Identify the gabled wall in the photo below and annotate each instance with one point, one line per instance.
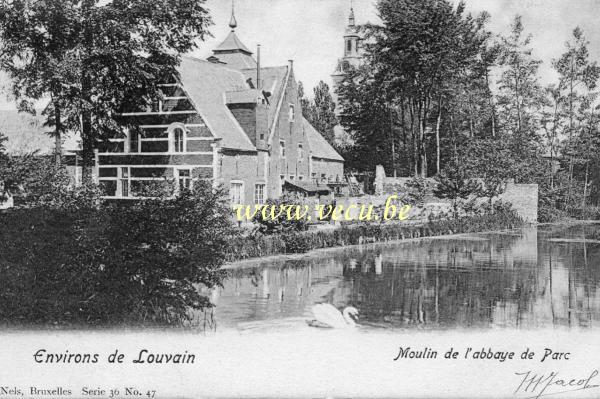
(150, 158)
(293, 134)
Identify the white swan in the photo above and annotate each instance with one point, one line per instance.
(328, 316)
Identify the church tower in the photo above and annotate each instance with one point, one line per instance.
(352, 56)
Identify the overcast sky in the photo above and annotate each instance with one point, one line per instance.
(310, 31)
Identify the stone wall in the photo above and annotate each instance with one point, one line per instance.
(523, 197)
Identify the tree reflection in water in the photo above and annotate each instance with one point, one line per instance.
(515, 279)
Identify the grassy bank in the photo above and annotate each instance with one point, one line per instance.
(257, 246)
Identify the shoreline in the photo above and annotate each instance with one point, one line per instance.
(252, 262)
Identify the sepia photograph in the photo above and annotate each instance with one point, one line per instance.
(322, 198)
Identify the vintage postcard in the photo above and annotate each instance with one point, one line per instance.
(299, 199)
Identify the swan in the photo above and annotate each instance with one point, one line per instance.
(327, 316)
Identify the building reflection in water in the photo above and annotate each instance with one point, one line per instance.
(519, 279)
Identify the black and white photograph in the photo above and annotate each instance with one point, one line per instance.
(299, 198)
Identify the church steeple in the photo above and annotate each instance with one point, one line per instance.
(351, 20)
(353, 55)
(232, 21)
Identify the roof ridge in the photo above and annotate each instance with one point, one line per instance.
(269, 67)
(212, 64)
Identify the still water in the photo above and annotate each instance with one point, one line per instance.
(516, 279)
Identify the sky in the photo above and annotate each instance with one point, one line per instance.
(311, 31)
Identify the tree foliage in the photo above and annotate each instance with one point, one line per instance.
(417, 63)
(320, 111)
(130, 264)
(93, 58)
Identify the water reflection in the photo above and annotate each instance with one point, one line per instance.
(515, 279)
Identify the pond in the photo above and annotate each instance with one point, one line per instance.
(517, 279)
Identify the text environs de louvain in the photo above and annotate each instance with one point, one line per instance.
(142, 356)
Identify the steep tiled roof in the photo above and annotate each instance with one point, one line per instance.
(232, 43)
(235, 60)
(319, 147)
(206, 84)
(233, 53)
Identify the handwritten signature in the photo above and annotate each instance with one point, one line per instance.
(552, 384)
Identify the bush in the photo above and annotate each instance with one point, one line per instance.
(280, 223)
(130, 263)
(416, 189)
(500, 216)
(37, 181)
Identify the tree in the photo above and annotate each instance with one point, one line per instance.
(304, 102)
(578, 76)
(456, 183)
(36, 39)
(365, 116)
(102, 57)
(552, 123)
(412, 61)
(320, 112)
(520, 95)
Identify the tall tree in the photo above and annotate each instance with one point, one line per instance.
(110, 54)
(365, 115)
(412, 59)
(36, 39)
(520, 95)
(578, 76)
(320, 112)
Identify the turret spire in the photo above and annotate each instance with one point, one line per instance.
(233, 22)
(351, 21)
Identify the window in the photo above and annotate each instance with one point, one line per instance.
(300, 177)
(348, 46)
(300, 152)
(292, 177)
(178, 138)
(107, 172)
(323, 177)
(292, 115)
(236, 193)
(259, 194)
(282, 148)
(124, 182)
(134, 142)
(184, 179)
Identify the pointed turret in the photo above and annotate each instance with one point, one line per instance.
(232, 51)
(232, 21)
(351, 20)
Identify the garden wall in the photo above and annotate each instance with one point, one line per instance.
(523, 197)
